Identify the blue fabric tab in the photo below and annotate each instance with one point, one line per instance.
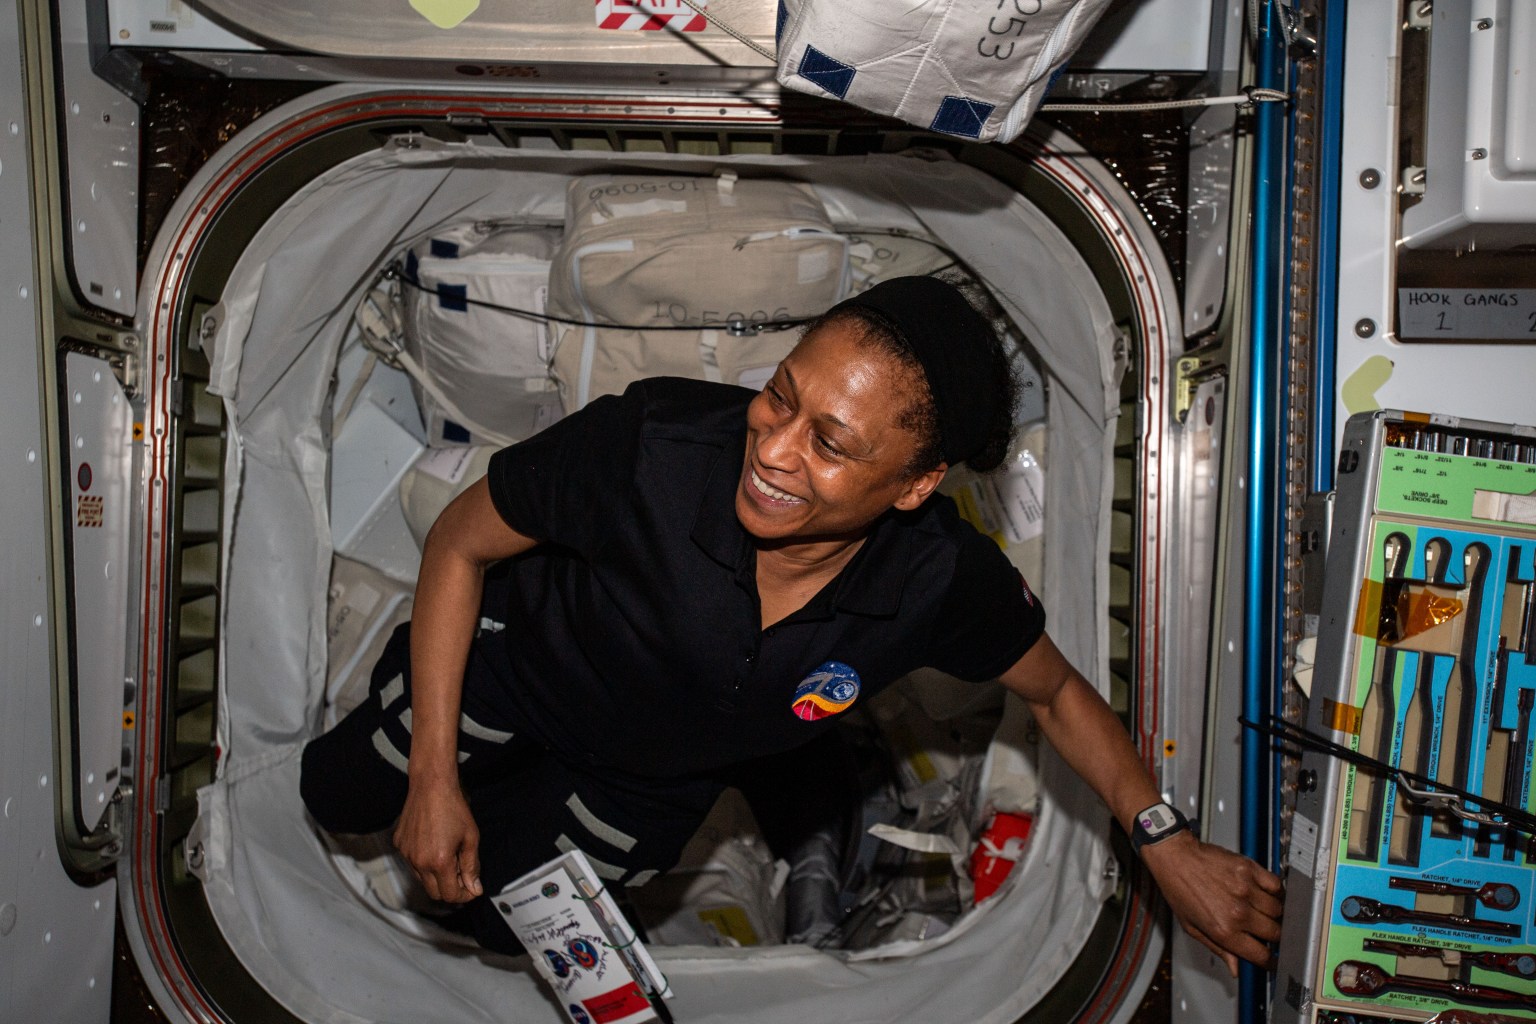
(444, 250)
(454, 434)
(452, 296)
(778, 24)
(832, 75)
(960, 116)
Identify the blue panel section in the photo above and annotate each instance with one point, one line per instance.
(960, 116)
(453, 296)
(778, 24)
(444, 250)
(832, 75)
(454, 434)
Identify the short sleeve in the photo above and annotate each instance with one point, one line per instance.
(553, 486)
(989, 619)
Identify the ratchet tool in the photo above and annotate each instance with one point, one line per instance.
(1359, 978)
(1363, 910)
(1521, 965)
(1494, 895)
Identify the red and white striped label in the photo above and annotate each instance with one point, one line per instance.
(649, 15)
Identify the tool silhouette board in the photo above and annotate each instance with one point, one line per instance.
(1398, 907)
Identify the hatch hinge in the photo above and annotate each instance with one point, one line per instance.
(118, 349)
(1184, 389)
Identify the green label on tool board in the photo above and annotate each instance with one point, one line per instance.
(1444, 486)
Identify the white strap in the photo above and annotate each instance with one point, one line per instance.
(379, 321)
(922, 842)
(412, 367)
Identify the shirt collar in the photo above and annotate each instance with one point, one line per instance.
(872, 582)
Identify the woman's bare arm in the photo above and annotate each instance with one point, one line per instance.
(436, 832)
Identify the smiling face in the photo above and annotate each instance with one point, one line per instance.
(826, 453)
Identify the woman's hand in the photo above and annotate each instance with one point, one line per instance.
(1225, 901)
(438, 837)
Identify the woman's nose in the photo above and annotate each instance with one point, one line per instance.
(776, 446)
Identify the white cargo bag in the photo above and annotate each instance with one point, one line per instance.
(972, 68)
(492, 367)
(650, 253)
(726, 889)
(437, 477)
(363, 608)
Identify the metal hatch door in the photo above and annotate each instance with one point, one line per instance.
(663, 32)
(60, 715)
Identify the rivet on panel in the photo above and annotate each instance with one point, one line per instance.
(37, 620)
(106, 570)
(80, 442)
(31, 455)
(90, 778)
(79, 398)
(80, 226)
(47, 937)
(74, 108)
(91, 983)
(23, 291)
(42, 782)
(1365, 327)
(1221, 807)
(15, 128)
(9, 806)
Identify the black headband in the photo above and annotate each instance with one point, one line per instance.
(952, 342)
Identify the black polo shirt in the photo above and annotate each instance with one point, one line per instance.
(634, 633)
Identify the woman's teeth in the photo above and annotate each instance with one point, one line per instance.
(772, 492)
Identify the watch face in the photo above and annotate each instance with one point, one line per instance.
(1157, 819)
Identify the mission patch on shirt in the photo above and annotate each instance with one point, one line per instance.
(633, 633)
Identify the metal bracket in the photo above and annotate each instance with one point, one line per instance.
(1189, 373)
(1300, 39)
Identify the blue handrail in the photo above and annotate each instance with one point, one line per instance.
(1325, 307)
(1266, 436)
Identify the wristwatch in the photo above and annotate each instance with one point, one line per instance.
(1155, 824)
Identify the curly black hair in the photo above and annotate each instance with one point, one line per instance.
(920, 416)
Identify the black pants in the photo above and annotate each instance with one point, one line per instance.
(529, 803)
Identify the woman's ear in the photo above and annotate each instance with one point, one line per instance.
(920, 486)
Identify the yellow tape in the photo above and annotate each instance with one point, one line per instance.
(1399, 610)
(1342, 717)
